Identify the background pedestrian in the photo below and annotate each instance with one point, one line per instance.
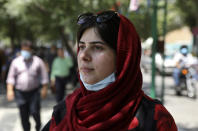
(27, 73)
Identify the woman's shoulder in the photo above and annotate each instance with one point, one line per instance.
(59, 111)
(145, 113)
(165, 120)
(162, 117)
(159, 108)
(152, 115)
(58, 114)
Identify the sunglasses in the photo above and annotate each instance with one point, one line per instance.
(99, 18)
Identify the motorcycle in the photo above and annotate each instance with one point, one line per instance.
(187, 82)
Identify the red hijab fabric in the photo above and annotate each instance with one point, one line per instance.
(113, 107)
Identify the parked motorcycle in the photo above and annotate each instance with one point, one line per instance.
(187, 82)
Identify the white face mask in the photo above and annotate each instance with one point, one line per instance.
(26, 54)
(101, 84)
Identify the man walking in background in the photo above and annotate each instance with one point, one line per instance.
(26, 75)
(60, 73)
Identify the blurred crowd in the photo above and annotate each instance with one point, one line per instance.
(47, 54)
(27, 72)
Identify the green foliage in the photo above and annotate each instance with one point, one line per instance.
(142, 21)
(45, 19)
(174, 20)
(188, 10)
(48, 21)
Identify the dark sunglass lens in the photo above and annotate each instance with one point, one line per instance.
(99, 18)
(81, 20)
(84, 18)
(105, 16)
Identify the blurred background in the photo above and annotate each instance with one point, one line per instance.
(163, 26)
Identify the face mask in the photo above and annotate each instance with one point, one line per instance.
(101, 84)
(26, 54)
(184, 51)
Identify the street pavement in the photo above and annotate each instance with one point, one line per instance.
(9, 114)
(183, 109)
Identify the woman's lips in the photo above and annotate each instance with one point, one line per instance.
(86, 69)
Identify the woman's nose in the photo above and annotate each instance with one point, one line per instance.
(85, 55)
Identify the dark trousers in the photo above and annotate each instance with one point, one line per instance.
(29, 104)
(60, 83)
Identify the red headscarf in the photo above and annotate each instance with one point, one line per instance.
(113, 107)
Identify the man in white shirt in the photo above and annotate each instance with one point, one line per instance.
(182, 59)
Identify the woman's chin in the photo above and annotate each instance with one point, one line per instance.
(89, 81)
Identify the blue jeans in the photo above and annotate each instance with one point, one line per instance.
(176, 73)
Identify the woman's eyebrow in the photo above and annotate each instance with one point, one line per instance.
(81, 42)
(92, 42)
(97, 42)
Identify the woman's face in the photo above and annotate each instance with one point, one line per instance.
(96, 60)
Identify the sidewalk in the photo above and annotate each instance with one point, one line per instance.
(9, 114)
(183, 109)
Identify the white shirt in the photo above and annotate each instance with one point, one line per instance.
(27, 75)
(187, 60)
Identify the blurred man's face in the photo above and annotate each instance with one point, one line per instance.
(26, 52)
(60, 52)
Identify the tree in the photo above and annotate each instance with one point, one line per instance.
(57, 20)
(140, 18)
(188, 12)
(45, 20)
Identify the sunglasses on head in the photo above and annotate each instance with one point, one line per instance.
(99, 18)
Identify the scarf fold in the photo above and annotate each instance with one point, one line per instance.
(111, 108)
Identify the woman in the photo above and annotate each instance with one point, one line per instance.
(111, 96)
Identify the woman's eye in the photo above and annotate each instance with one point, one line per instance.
(99, 48)
(81, 47)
